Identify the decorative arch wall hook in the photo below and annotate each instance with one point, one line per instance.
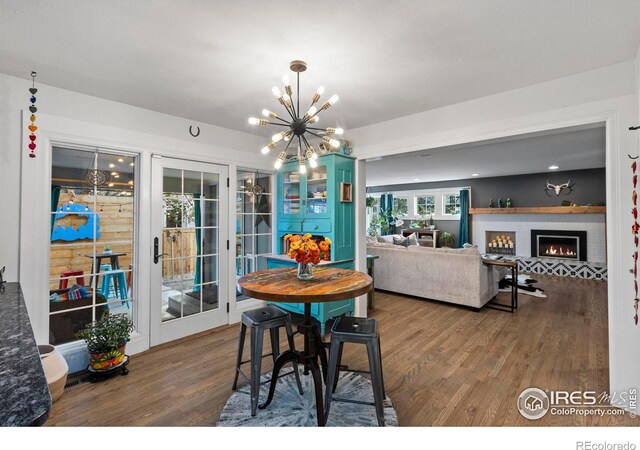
(196, 134)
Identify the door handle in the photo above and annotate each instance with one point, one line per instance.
(156, 249)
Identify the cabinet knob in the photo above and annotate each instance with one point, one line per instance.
(316, 227)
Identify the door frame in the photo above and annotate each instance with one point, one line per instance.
(162, 332)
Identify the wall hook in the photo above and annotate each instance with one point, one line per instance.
(191, 131)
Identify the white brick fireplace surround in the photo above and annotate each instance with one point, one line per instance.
(522, 224)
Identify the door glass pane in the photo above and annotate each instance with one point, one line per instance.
(317, 190)
(190, 232)
(291, 192)
(92, 239)
(254, 218)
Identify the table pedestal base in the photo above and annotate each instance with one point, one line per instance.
(314, 349)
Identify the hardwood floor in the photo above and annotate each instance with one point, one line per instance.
(443, 365)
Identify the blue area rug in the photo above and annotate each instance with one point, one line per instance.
(290, 409)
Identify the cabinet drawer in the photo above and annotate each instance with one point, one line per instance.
(295, 227)
(316, 226)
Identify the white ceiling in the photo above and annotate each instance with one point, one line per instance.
(216, 61)
(569, 149)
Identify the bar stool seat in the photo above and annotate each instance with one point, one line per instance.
(258, 320)
(357, 330)
(118, 280)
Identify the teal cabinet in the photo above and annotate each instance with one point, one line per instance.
(321, 311)
(310, 203)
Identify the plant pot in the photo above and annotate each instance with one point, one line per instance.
(305, 271)
(107, 360)
(55, 370)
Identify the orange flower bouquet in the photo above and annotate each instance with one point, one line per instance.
(306, 252)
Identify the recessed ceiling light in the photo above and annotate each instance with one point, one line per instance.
(131, 164)
(475, 174)
(416, 179)
(116, 176)
(553, 167)
(114, 173)
(112, 165)
(120, 160)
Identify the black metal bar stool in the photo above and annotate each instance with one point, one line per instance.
(258, 320)
(356, 330)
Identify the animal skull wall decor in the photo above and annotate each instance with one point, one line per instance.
(559, 187)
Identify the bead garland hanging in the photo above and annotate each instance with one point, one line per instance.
(33, 109)
(635, 228)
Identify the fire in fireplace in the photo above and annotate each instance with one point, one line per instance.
(559, 244)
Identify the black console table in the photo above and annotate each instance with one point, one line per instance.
(24, 393)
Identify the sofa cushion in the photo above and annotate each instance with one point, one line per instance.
(371, 240)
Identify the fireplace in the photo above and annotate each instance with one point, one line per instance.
(559, 244)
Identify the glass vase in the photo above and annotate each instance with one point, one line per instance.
(305, 271)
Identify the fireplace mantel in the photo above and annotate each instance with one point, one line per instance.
(542, 210)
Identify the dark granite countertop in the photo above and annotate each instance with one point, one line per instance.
(24, 394)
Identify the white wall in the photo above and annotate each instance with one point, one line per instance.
(609, 94)
(51, 101)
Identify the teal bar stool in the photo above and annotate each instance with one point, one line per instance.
(114, 283)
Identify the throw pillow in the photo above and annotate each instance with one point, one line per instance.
(388, 239)
(413, 239)
(401, 241)
(371, 240)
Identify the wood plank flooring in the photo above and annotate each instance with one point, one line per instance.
(444, 365)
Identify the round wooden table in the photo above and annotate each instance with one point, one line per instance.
(327, 285)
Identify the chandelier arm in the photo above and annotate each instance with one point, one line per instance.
(299, 146)
(287, 147)
(281, 120)
(315, 134)
(286, 124)
(288, 111)
(293, 108)
(305, 141)
(314, 128)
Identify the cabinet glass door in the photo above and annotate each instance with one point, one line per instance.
(291, 192)
(317, 191)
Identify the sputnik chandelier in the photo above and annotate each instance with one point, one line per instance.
(298, 124)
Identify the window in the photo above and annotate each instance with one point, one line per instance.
(401, 206)
(254, 222)
(425, 204)
(93, 217)
(373, 212)
(451, 204)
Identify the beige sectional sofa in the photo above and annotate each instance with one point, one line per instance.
(449, 275)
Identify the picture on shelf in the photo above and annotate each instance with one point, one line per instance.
(346, 192)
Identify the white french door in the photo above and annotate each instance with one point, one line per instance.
(189, 265)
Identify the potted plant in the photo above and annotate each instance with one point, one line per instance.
(447, 239)
(106, 341)
(107, 249)
(371, 202)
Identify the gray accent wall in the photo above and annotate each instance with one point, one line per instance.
(588, 185)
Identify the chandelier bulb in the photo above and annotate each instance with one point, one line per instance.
(281, 158)
(302, 167)
(310, 112)
(278, 136)
(338, 131)
(270, 114)
(276, 91)
(317, 94)
(258, 121)
(270, 146)
(313, 163)
(287, 84)
(286, 100)
(332, 142)
(314, 119)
